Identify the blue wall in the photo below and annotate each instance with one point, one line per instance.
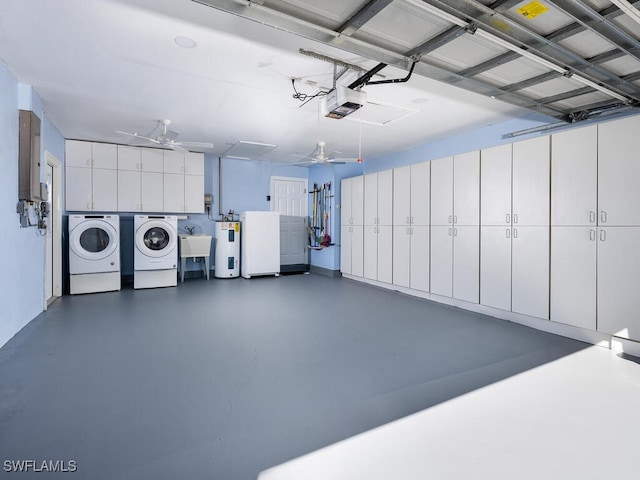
(22, 249)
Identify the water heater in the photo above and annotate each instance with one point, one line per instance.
(227, 255)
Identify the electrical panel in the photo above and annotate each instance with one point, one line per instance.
(29, 187)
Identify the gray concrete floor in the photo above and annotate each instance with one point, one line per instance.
(225, 378)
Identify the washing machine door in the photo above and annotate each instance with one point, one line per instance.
(93, 240)
(156, 238)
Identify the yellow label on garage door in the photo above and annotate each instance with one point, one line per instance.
(532, 10)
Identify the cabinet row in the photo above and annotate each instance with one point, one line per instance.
(110, 156)
(104, 190)
(107, 177)
(582, 177)
(586, 277)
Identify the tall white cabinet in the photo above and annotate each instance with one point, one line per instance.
(515, 189)
(619, 228)
(351, 226)
(91, 176)
(455, 231)
(411, 212)
(140, 180)
(378, 216)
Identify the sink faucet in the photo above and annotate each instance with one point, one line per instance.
(189, 229)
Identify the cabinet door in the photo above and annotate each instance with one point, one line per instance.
(574, 176)
(357, 256)
(78, 189)
(466, 189)
(173, 193)
(401, 252)
(442, 260)
(441, 192)
(104, 156)
(357, 200)
(173, 161)
(531, 182)
(402, 196)
(152, 192)
(194, 163)
(77, 154)
(619, 281)
(420, 192)
(345, 247)
(495, 185)
(345, 201)
(371, 199)
(370, 269)
(129, 158)
(385, 253)
(419, 271)
(151, 160)
(129, 191)
(385, 197)
(619, 172)
(466, 263)
(194, 193)
(495, 267)
(573, 276)
(105, 190)
(530, 271)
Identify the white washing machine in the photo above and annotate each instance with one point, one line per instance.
(94, 253)
(155, 261)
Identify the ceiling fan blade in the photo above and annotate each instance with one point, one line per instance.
(344, 160)
(136, 135)
(303, 156)
(197, 144)
(171, 135)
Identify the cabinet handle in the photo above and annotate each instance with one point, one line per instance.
(592, 216)
(449, 232)
(603, 216)
(455, 219)
(515, 233)
(508, 233)
(515, 218)
(411, 230)
(592, 234)
(603, 235)
(412, 222)
(508, 218)
(449, 219)
(407, 230)
(407, 221)
(455, 232)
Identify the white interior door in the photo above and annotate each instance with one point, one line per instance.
(289, 196)
(48, 265)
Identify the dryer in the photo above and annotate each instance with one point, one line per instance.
(156, 251)
(94, 253)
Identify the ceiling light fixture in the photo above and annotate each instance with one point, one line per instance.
(185, 42)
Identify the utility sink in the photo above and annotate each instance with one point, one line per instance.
(198, 245)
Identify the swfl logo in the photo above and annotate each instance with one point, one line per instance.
(43, 466)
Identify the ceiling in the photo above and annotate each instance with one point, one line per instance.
(109, 65)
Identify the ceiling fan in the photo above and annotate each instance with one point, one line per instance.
(318, 156)
(164, 137)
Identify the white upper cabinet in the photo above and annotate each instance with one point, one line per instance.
(531, 182)
(574, 177)
(173, 161)
(371, 199)
(193, 163)
(619, 172)
(77, 154)
(466, 188)
(420, 192)
(495, 185)
(152, 160)
(104, 155)
(442, 191)
(129, 158)
(402, 195)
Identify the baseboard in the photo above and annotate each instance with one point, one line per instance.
(295, 268)
(327, 272)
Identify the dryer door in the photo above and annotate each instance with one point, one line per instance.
(156, 238)
(93, 240)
